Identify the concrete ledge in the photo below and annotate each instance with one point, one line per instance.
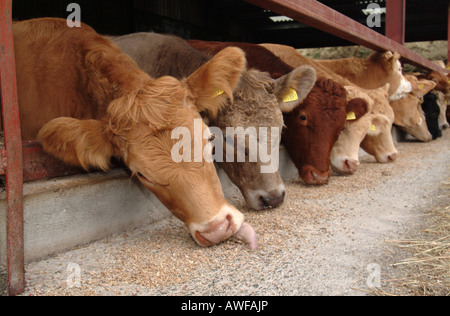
(64, 213)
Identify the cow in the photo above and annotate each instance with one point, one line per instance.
(317, 122)
(442, 81)
(442, 85)
(257, 103)
(370, 130)
(443, 123)
(409, 115)
(86, 102)
(373, 72)
(432, 111)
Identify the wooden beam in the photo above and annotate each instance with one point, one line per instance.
(318, 15)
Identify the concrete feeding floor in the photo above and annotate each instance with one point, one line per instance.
(322, 241)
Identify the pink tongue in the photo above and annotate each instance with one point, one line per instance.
(247, 234)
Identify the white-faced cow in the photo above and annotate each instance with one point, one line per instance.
(370, 129)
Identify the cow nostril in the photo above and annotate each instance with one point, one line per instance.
(392, 158)
(273, 202)
(265, 202)
(347, 165)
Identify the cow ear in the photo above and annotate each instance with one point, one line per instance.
(396, 56)
(294, 87)
(356, 108)
(379, 123)
(213, 83)
(393, 61)
(388, 54)
(423, 87)
(82, 143)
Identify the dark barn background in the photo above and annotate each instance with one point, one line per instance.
(230, 20)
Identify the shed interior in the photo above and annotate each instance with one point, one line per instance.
(232, 20)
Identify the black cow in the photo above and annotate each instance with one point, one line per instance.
(432, 111)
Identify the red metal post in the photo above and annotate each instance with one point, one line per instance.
(448, 34)
(13, 150)
(319, 16)
(395, 20)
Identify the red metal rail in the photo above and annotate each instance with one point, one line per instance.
(318, 15)
(13, 152)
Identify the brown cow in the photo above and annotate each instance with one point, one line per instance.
(372, 131)
(441, 80)
(314, 127)
(91, 102)
(373, 72)
(256, 105)
(408, 111)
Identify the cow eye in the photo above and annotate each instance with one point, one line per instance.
(144, 178)
(303, 117)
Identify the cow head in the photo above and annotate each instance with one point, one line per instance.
(378, 141)
(258, 105)
(441, 80)
(388, 68)
(370, 130)
(410, 118)
(138, 128)
(408, 111)
(443, 123)
(344, 157)
(432, 112)
(314, 127)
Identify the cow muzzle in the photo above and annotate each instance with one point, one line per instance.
(229, 223)
(263, 200)
(387, 158)
(345, 166)
(311, 175)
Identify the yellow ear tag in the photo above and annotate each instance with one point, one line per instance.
(292, 96)
(421, 86)
(351, 116)
(373, 128)
(218, 92)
